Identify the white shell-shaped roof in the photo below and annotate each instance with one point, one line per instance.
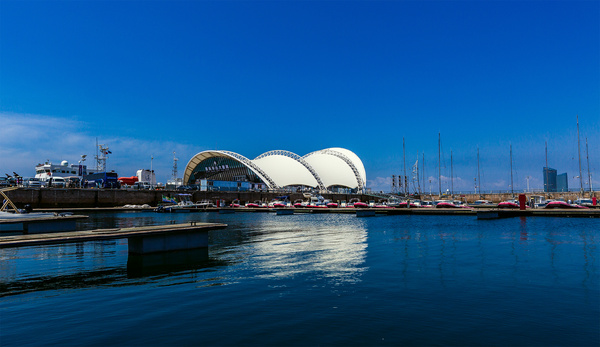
(286, 171)
(322, 169)
(335, 167)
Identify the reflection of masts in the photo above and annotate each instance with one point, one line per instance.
(579, 154)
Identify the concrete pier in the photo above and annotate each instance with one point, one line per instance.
(142, 240)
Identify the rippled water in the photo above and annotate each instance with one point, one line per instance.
(313, 280)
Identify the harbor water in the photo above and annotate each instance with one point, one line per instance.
(313, 279)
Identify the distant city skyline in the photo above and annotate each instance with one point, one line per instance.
(151, 78)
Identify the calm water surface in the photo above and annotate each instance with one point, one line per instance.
(313, 280)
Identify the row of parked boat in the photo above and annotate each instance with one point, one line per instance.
(316, 202)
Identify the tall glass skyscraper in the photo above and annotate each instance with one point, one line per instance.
(549, 179)
(562, 182)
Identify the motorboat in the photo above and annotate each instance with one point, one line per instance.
(481, 203)
(539, 201)
(509, 204)
(256, 204)
(461, 204)
(360, 204)
(445, 204)
(332, 205)
(427, 204)
(584, 202)
(562, 204)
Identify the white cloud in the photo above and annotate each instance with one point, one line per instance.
(26, 140)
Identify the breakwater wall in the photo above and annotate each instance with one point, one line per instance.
(73, 198)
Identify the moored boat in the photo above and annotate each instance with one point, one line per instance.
(562, 204)
(445, 204)
(508, 204)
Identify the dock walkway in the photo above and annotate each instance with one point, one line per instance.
(107, 234)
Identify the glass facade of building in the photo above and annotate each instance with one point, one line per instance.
(549, 179)
(562, 183)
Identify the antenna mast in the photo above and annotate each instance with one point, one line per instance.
(174, 168)
(101, 158)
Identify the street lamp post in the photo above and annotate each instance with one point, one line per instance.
(82, 160)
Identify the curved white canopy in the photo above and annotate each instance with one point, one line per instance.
(324, 168)
(286, 171)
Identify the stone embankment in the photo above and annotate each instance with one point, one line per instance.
(86, 198)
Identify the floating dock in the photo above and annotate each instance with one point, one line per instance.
(31, 225)
(142, 240)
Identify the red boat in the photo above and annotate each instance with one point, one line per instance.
(361, 204)
(508, 204)
(561, 204)
(332, 205)
(279, 205)
(445, 204)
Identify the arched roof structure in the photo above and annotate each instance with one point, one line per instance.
(280, 168)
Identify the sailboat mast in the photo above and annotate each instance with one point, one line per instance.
(418, 176)
(547, 188)
(512, 190)
(424, 172)
(451, 175)
(404, 158)
(579, 154)
(440, 163)
(588, 165)
(478, 175)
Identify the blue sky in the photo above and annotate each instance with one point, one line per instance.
(149, 78)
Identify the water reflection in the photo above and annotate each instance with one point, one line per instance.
(67, 269)
(333, 248)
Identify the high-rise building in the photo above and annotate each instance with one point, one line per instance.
(562, 183)
(549, 179)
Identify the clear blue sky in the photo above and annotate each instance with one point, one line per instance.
(148, 78)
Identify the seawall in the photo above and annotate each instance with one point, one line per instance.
(71, 198)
